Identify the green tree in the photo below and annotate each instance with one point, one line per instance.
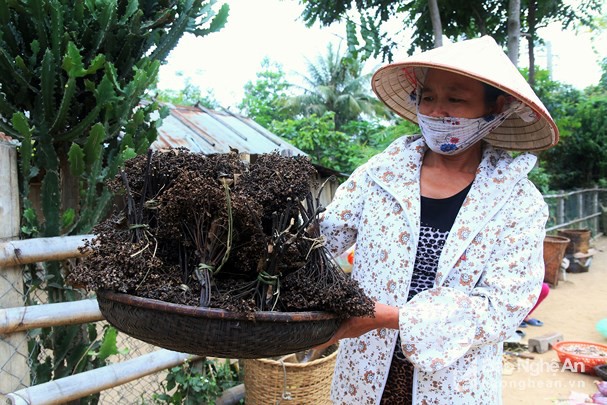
(265, 99)
(188, 96)
(336, 84)
(560, 99)
(318, 137)
(580, 158)
(370, 138)
(459, 19)
(72, 75)
(563, 102)
(269, 102)
(539, 13)
(344, 150)
(603, 81)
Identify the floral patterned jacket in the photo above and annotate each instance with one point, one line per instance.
(489, 275)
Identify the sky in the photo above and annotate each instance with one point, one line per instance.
(226, 60)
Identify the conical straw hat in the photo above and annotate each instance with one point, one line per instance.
(480, 59)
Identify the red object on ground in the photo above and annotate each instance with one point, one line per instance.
(569, 353)
(351, 257)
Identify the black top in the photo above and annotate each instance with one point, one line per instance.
(440, 213)
(437, 218)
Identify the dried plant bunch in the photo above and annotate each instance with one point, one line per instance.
(213, 230)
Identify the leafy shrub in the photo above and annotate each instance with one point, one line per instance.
(199, 383)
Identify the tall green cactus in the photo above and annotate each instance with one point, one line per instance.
(72, 78)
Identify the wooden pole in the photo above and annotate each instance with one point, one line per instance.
(232, 395)
(14, 369)
(580, 205)
(560, 210)
(596, 229)
(27, 251)
(43, 316)
(93, 381)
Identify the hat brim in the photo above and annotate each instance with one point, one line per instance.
(394, 83)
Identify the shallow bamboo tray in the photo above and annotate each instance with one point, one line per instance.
(216, 332)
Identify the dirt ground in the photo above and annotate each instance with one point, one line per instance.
(573, 309)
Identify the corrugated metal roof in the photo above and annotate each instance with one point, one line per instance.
(208, 131)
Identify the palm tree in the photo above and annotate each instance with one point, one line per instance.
(336, 84)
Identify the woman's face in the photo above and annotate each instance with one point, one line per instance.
(446, 94)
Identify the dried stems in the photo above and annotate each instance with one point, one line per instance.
(213, 231)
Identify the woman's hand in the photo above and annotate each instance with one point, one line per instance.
(384, 316)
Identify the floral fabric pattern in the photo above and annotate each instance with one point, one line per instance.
(489, 275)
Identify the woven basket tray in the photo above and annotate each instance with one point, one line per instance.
(216, 332)
(269, 381)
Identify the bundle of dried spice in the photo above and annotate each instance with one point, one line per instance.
(217, 231)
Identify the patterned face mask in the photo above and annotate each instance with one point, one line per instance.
(451, 136)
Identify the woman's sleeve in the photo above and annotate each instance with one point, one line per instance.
(340, 222)
(438, 326)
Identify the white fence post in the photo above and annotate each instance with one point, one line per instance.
(560, 210)
(14, 370)
(580, 205)
(90, 382)
(596, 223)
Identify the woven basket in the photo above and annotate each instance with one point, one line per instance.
(216, 332)
(554, 251)
(580, 240)
(269, 381)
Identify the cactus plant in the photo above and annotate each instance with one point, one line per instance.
(72, 79)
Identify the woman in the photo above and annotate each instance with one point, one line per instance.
(448, 231)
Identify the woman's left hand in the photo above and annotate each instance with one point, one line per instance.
(385, 316)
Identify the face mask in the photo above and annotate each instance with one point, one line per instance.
(451, 136)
